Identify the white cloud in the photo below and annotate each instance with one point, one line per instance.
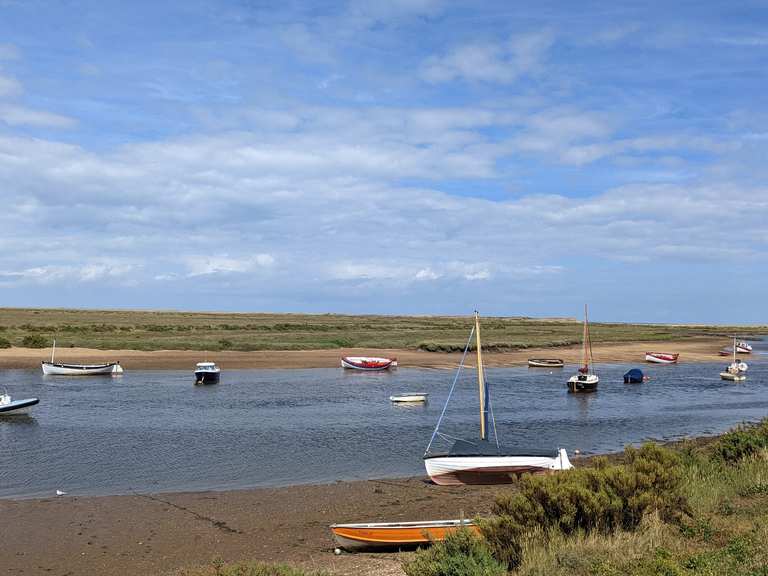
(205, 265)
(9, 86)
(21, 116)
(485, 62)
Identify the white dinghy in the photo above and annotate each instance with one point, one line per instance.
(409, 397)
(62, 369)
(480, 462)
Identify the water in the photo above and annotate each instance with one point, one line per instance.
(156, 431)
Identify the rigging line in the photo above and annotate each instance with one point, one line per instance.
(455, 379)
(490, 407)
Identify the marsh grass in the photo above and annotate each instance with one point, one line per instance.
(219, 568)
(167, 330)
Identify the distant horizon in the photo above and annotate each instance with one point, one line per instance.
(418, 156)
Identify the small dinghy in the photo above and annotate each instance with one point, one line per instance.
(409, 397)
(368, 363)
(395, 534)
(743, 347)
(207, 373)
(10, 406)
(634, 376)
(661, 357)
(62, 369)
(546, 362)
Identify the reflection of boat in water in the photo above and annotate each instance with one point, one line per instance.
(661, 357)
(479, 462)
(10, 406)
(584, 381)
(63, 369)
(395, 534)
(369, 363)
(546, 363)
(409, 397)
(207, 373)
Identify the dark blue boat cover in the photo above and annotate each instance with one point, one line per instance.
(634, 375)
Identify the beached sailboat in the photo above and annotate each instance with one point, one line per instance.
(368, 363)
(53, 368)
(395, 534)
(736, 369)
(661, 357)
(480, 462)
(584, 381)
(10, 406)
(743, 347)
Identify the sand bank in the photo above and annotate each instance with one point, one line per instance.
(691, 350)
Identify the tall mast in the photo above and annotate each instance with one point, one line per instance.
(480, 379)
(585, 339)
(53, 350)
(734, 349)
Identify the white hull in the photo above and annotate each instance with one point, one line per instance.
(457, 470)
(10, 406)
(733, 377)
(656, 360)
(409, 398)
(56, 369)
(359, 363)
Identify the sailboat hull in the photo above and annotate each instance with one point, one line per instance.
(458, 470)
(583, 383)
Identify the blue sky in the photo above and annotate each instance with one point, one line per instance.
(416, 156)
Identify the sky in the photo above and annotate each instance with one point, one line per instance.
(401, 157)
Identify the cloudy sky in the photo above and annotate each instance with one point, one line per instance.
(410, 156)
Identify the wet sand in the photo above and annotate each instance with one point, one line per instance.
(691, 350)
(162, 534)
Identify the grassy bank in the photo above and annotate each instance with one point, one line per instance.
(159, 330)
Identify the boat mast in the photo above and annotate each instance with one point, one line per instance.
(734, 349)
(53, 350)
(481, 381)
(587, 346)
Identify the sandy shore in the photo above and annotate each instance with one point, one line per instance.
(161, 534)
(691, 350)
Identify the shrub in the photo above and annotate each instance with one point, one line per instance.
(4, 342)
(219, 568)
(742, 442)
(225, 344)
(34, 342)
(462, 553)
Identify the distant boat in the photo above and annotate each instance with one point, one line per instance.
(634, 376)
(63, 369)
(743, 347)
(395, 534)
(10, 406)
(409, 397)
(480, 462)
(584, 381)
(207, 373)
(735, 370)
(661, 357)
(546, 362)
(369, 363)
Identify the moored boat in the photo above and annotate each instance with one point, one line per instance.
(368, 363)
(207, 373)
(395, 534)
(661, 357)
(584, 381)
(736, 369)
(481, 462)
(10, 406)
(634, 376)
(52, 368)
(409, 397)
(546, 362)
(743, 347)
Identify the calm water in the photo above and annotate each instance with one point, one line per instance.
(157, 431)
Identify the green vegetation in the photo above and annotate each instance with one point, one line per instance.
(692, 510)
(34, 342)
(4, 342)
(219, 568)
(159, 330)
(461, 554)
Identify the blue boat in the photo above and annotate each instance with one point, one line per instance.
(634, 376)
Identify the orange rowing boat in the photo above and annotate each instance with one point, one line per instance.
(395, 534)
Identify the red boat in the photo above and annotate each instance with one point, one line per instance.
(369, 363)
(661, 357)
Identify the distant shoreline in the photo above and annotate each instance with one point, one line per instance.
(699, 349)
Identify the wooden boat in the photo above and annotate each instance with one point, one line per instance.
(480, 462)
(661, 357)
(10, 406)
(207, 373)
(63, 369)
(409, 397)
(735, 370)
(584, 381)
(368, 363)
(395, 534)
(546, 362)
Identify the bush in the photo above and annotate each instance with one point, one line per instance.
(4, 342)
(600, 499)
(225, 344)
(462, 553)
(219, 568)
(34, 342)
(742, 442)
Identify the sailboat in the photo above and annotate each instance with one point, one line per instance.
(479, 462)
(60, 369)
(735, 370)
(584, 381)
